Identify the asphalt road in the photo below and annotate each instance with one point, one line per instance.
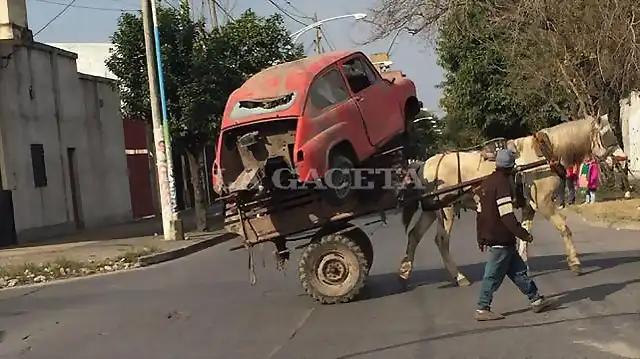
(202, 306)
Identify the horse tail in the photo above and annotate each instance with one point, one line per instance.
(411, 192)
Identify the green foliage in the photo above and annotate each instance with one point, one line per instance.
(480, 100)
(201, 68)
(430, 134)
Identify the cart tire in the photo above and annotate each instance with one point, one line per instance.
(337, 197)
(363, 241)
(333, 269)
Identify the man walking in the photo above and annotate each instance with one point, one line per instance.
(498, 228)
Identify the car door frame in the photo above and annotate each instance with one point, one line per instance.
(346, 121)
(379, 85)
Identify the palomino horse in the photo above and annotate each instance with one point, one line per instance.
(569, 143)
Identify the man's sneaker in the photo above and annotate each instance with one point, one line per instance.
(485, 315)
(541, 305)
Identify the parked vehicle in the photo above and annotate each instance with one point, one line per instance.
(333, 110)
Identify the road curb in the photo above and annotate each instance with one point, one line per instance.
(170, 255)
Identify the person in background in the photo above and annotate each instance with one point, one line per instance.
(497, 228)
(569, 183)
(589, 179)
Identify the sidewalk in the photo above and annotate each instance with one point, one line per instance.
(105, 249)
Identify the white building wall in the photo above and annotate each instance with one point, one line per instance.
(91, 60)
(108, 186)
(630, 124)
(43, 100)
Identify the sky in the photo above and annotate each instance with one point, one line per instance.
(96, 20)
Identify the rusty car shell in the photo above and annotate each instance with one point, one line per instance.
(271, 121)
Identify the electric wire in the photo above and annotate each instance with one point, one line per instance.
(85, 7)
(55, 17)
(285, 12)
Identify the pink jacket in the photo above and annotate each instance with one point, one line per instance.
(593, 178)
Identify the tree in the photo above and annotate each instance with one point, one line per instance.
(201, 69)
(587, 48)
(429, 134)
(559, 59)
(478, 91)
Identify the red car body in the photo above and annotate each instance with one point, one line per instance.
(304, 110)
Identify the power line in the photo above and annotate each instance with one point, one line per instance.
(326, 38)
(55, 17)
(302, 14)
(286, 13)
(393, 41)
(224, 11)
(85, 7)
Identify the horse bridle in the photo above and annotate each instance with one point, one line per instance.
(599, 141)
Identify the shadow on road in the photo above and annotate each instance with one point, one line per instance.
(483, 330)
(388, 284)
(596, 293)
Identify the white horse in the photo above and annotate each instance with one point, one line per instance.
(570, 142)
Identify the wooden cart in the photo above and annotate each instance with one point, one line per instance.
(337, 255)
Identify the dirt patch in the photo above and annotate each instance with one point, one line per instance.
(14, 275)
(611, 210)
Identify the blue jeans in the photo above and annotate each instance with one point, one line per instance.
(505, 261)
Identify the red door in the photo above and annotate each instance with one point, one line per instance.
(135, 139)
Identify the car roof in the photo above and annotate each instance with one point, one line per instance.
(283, 79)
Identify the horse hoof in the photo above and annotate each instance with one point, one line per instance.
(575, 268)
(463, 282)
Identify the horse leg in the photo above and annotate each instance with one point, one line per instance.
(443, 235)
(549, 211)
(414, 236)
(527, 222)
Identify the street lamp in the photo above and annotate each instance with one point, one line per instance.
(296, 35)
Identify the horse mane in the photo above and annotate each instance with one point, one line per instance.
(571, 141)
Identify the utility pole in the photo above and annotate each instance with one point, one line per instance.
(213, 12)
(171, 226)
(318, 35)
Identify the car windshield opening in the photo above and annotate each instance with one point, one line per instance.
(253, 107)
(266, 104)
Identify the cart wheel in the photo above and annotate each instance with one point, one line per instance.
(340, 196)
(362, 240)
(333, 269)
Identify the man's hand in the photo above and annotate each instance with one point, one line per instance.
(528, 239)
(482, 247)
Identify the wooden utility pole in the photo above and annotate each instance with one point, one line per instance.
(318, 35)
(172, 229)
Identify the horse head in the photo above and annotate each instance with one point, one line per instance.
(603, 140)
